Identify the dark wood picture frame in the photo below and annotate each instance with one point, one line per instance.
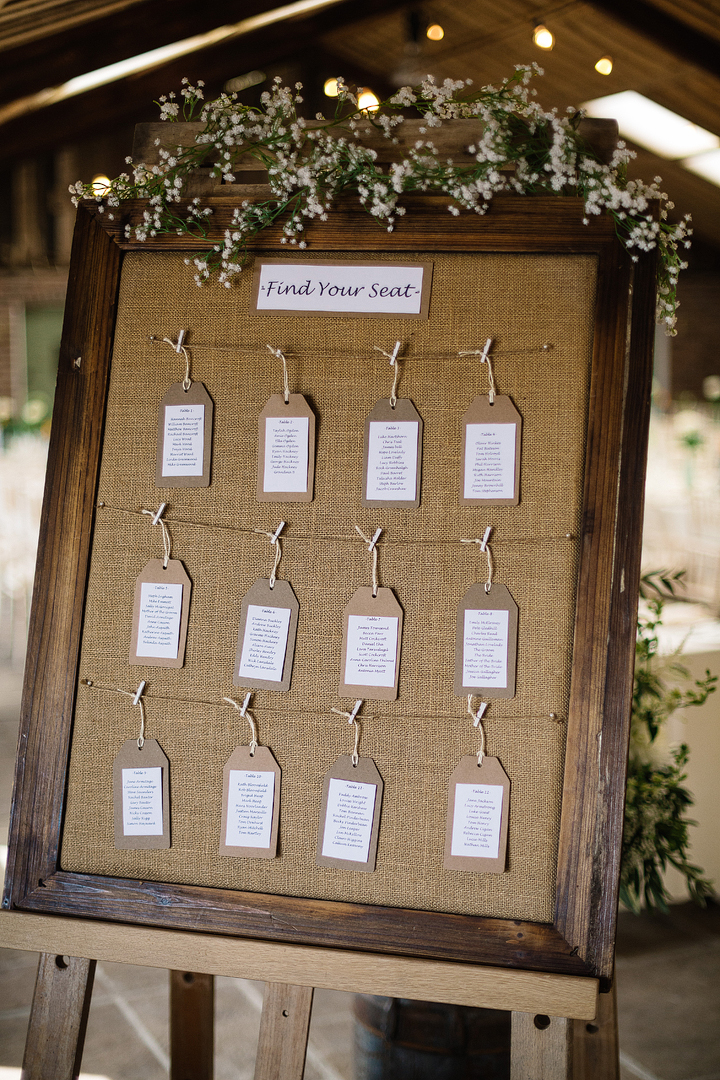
(581, 939)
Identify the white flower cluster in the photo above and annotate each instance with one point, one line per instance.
(522, 149)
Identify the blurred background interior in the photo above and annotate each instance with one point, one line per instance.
(75, 77)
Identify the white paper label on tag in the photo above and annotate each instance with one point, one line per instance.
(250, 809)
(142, 802)
(159, 623)
(476, 824)
(183, 440)
(392, 461)
(490, 461)
(264, 643)
(371, 650)
(485, 647)
(349, 820)
(286, 453)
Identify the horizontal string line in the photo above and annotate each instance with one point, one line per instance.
(251, 532)
(260, 351)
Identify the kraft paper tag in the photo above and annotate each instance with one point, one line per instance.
(286, 450)
(160, 615)
(350, 815)
(486, 643)
(372, 636)
(266, 639)
(477, 817)
(141, 796)
(251, 804)
(184, 449)
(393, 455)
(492, 439)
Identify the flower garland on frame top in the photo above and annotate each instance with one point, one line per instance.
(523, 149)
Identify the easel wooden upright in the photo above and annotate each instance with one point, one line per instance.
(547, 974)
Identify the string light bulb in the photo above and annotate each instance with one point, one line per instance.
(330, 88)
(542, 37)
(435, 32)
(367, 101)
(100, 185)
(604, 65)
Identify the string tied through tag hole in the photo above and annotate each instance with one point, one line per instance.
(280, 355)
(274, 539)
(395, 363)
(372, 547)
(477, 716)
(244, 711)
(485, 546)
(179, 348)
(157, 519)
(351, 718)
(484, 355)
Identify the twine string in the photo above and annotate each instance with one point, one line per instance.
(351, 718)
(477, 715)
(372, 547)
(179, 348)
(280, 355)
(157, 516)
(137, 699)
(395, 363)
(484, 355)
(274, 539)
(484, 546)
(244, 710)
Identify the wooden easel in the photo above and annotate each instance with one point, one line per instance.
(561, 1028)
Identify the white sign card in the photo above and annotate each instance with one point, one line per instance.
(160, 615)
(286, 450)
(184, 449)
(141, 796)
(486, 643)
(350, 289)
(372, 637)
(477, 817)
(492, 439)
(251, 804)
(266, 637)
(393, 455)
(350, 815)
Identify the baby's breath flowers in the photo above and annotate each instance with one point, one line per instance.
(522, 150)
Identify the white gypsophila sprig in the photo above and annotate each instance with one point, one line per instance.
(520, 148)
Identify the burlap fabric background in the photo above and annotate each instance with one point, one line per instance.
(519, 300)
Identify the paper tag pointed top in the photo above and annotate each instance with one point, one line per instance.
(492, 442)
(184, 447)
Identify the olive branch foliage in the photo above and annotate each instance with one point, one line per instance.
(522, 149)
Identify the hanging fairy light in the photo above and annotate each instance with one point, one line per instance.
(542, 37)
(604, 65)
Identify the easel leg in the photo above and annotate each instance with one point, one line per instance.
(58, 1018)
(192, 1019)
(541, 1047)
(595, 1043)
(284, 1031)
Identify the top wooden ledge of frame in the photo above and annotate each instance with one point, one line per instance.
(600, 135)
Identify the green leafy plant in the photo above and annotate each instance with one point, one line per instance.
(656, 832)
(521, 149)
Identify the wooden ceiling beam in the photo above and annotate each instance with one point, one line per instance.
(130, 100)
(671, 33)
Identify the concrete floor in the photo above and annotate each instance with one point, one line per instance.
(668, 978)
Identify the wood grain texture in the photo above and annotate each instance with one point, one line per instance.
(348, 969)
(284, 1030)
(595, 1043)
(58, 1018)
(540, 1052)
(192, 1016)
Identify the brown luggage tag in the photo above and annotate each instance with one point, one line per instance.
(393, 450)
(161, 609)
(478, 810)
(185, 424)
(350, 810)
(486, 637)
(372, 638)
(268, 629)
(251, 798)
(141, 791)
(286, 446)
(491, 446)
